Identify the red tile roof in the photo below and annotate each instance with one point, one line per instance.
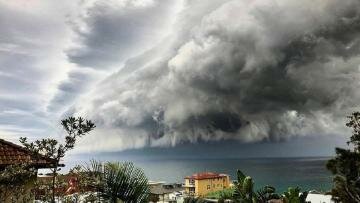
(205, 175)
(11, 153)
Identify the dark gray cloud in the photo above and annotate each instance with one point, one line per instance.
(252, 71)
(245, 70)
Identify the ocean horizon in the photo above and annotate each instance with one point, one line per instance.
(308, 173)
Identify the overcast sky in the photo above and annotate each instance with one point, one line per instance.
(168, 73)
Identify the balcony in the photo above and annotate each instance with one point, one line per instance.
(189, 183)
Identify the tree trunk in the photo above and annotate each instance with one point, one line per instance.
(54, 178)
(53, 187)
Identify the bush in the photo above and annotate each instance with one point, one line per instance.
(222, 194)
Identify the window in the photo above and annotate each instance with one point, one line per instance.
(208, 187)
(191, 181)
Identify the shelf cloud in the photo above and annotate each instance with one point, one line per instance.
(154, 73)
(229, 70)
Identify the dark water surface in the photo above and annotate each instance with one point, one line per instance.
(308, 173)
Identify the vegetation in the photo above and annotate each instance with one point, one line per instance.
(222, 194)
(244, 189)
(193, 200)
(346, 166)
(267, 193)
(13, 182)
(115, 181)
(52, 149)
(293, 195)
(244, 192)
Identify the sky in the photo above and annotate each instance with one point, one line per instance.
(259, 77)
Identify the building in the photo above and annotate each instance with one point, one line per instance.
(319, 198)
(200, 184)
(165, 193)
(12, 154)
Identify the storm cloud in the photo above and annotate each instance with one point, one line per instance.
(168, 72)
(235, 70)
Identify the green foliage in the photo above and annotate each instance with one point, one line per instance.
(222, 194)
(267, 193)
(244, 189)
(193, 200)
(346, 166)
(293, 195)
(17, 174)
(118, 181)
(53, 150)
(13, 183)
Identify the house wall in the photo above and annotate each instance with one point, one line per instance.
(205, 186)
(189, 186)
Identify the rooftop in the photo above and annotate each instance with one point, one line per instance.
(161, 189)
(206, 175)
(11, 153)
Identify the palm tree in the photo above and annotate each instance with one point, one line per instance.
(119, 181)
(244, 189)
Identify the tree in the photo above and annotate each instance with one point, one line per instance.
(117, 181)
(53, 150)
(293, 195)
(13, 183)
(346, 166)
(244, 189)
(267, 193)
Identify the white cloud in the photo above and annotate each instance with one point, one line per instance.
(38, 78)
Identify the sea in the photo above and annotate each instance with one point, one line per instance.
(308, 173)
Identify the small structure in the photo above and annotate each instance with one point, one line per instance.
(200, 184)
(13, 154)
(319, 198)
(165, 193)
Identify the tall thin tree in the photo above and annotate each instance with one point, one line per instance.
(52, 149)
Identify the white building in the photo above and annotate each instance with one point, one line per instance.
(165, 193)
(319, 198)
